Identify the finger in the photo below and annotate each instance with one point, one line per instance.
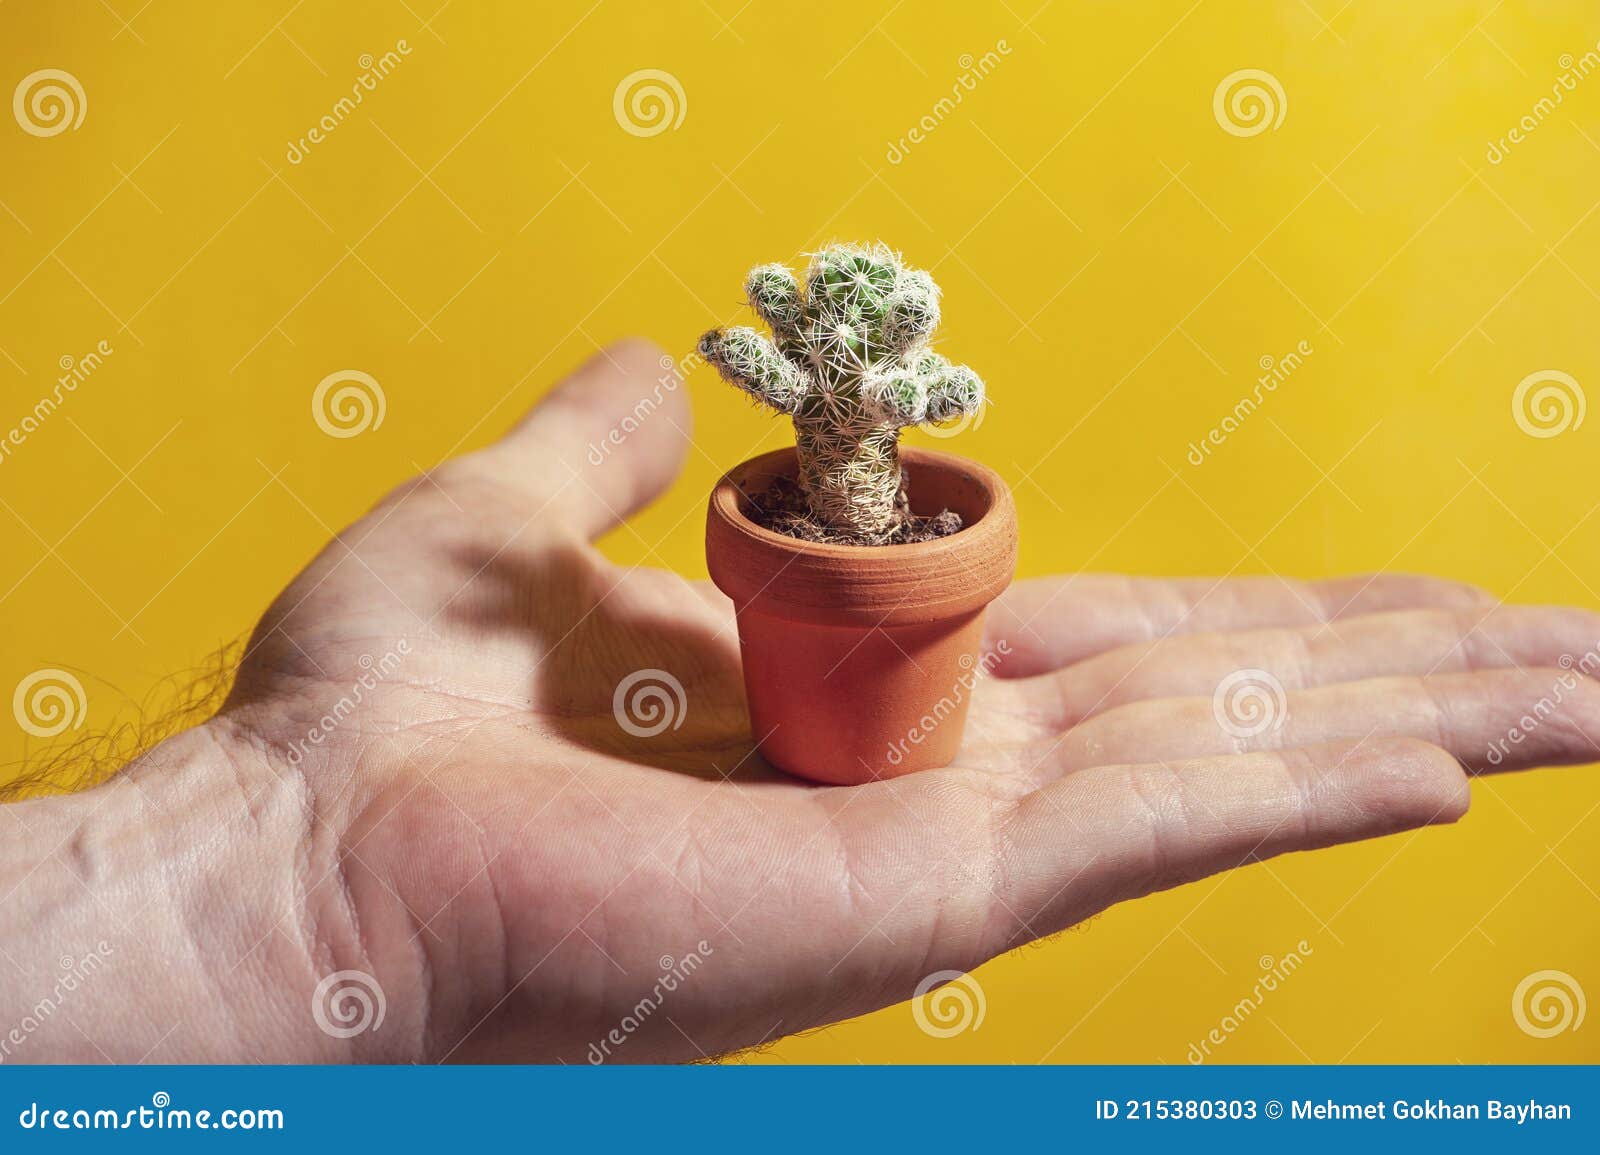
(600, 445)
(1117, 832)
(1406, 642)
(1052, 622)
(1493, 720)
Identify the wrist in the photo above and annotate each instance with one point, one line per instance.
(181, 894)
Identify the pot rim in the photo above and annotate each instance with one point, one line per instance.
(833, 583)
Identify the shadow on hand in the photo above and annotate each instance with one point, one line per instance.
(633, 664)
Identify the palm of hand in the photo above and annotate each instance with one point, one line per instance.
(522, 870)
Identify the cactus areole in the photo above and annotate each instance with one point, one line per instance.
(849, 360)
(861, 607)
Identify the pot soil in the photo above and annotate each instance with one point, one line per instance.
(859, 660)
(782, 506)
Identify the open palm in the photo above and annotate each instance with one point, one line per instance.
(523, 860)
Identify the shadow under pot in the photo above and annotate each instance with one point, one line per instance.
(859, 661)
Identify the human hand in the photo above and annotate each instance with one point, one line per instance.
(476, 829)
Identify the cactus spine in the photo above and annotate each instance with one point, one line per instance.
(849, 361)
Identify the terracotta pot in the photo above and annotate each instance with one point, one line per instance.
(859, 661)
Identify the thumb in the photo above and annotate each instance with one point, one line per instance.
(608, 439)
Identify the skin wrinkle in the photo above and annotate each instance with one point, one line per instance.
(1444, 728)
(342, 943)
(1075, 746)
(1323, 602)
(1564, 724)
(195, 918)
(1067, 712)
(966, 898)
(999, 919)
(688, 861)
(293, 660)
(1077, 889)
(258, 807)
(1301, 776)
(1305, 664)
(325, 926)
(424, 983)
(1463, 649)
(194, 935)
(1011, 919)
(254, 807)
(853, 890)
(197, 938)
(501, 921)
(1165, 806)
(535, 982)
(483, 1006)
(1155, 624)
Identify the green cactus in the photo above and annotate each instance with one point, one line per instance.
(849, 362)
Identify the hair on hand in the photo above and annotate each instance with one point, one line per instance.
(176, 703)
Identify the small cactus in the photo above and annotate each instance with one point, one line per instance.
(849, 361)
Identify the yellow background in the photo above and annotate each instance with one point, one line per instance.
(1113, 262)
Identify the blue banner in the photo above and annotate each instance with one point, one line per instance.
(802, 1109)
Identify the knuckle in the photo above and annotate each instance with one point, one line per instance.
(1166, 820)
